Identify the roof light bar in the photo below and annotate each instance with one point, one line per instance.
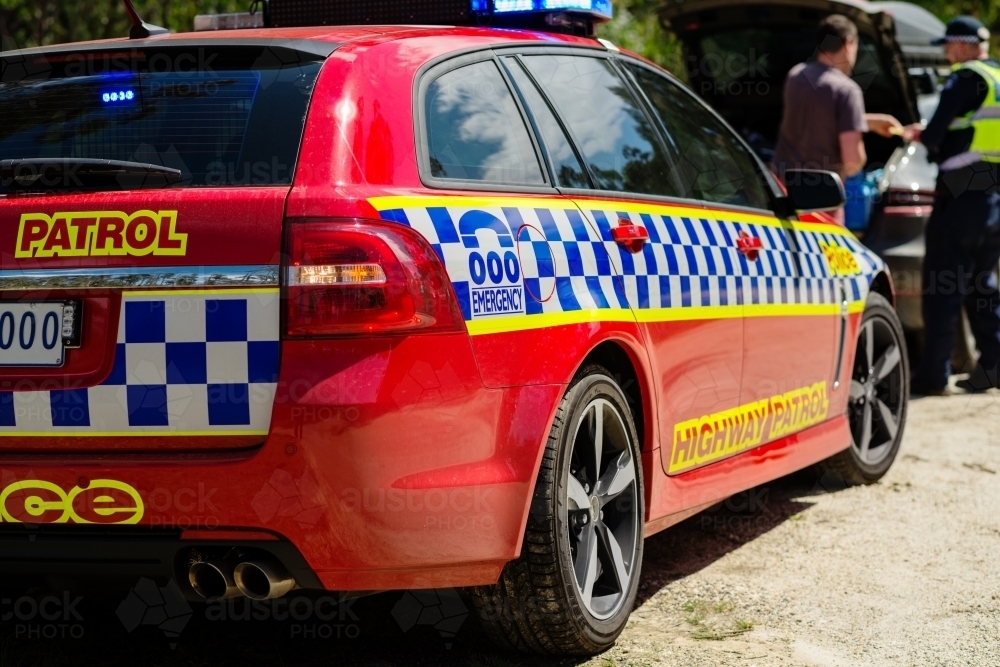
(599, 9)
(236, 21)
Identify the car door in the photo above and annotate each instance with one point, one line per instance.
(528, 271)
(680, 281)
(582, 253)
(790, 310)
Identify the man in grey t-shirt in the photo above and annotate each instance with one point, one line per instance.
(824, 113)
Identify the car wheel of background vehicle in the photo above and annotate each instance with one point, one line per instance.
(879, 393)
(574, 585)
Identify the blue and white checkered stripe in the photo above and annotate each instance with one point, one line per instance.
(698, 257)
(551, 239)
(186, 363)
(569, 261)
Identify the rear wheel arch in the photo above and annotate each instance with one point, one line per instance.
(622, 358)
(565, 593)
(630, 374)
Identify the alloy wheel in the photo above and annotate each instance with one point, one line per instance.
(876, 398)
(602, 510)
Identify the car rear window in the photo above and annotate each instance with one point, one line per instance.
(222, 116)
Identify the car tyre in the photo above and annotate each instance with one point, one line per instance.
(878, 397)
(573, 587)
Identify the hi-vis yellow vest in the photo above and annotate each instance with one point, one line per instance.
(985, 121)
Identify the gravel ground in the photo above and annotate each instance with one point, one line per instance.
(904, 572)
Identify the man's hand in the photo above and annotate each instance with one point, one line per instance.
(884, 124)
(913, 132)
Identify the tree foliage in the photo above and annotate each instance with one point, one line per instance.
(636, 27)
(26, 23)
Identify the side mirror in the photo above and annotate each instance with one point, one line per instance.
(813, 190)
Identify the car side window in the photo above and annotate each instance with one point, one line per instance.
(565, 163)
(712, 164)
(617, 141)
(475, 131)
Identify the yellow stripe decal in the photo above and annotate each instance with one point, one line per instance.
(401, 202)
(200, 291)
(543, 320)
(474, 201)
(694, 314)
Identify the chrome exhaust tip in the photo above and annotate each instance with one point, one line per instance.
(263, 580)
(213, 580)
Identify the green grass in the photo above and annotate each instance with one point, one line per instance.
(713, 621)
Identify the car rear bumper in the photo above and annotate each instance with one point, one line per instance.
(127, 554)
(905, 265)
(897, 236)
(388, 465)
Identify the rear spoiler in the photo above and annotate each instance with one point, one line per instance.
(310, 47)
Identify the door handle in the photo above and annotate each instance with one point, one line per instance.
(843, 333)
(630, 235)
(750, 246)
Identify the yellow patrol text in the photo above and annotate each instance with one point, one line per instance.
(722, 434)
(100, 234)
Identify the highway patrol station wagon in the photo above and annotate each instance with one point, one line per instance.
(374, 307)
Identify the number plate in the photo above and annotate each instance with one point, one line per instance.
(31, 334)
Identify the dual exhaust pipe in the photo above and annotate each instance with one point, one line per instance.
(255, 579)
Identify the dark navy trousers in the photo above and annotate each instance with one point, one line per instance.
(963, 248)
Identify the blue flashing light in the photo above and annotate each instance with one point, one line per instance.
(601, 8)
(118, 96)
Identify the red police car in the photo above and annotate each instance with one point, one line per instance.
(387, 307)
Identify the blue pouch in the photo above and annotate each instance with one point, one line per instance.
(861, 190)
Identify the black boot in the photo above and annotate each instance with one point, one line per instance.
(981, 379)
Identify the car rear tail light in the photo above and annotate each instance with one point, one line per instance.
(349, 277)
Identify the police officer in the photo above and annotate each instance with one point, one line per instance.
(963, 233)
